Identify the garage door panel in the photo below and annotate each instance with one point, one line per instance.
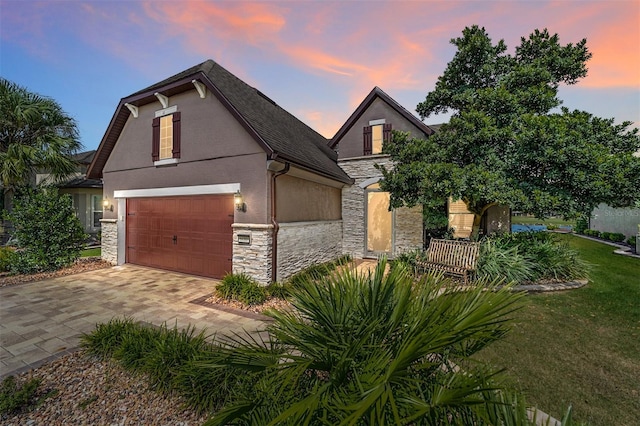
(201, 226)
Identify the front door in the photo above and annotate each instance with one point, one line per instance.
(379, 222)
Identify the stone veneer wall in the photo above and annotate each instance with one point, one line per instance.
(109, 240)
(408, 222)
(253, 259)
(302, 244)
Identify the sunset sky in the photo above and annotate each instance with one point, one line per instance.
(316, 59)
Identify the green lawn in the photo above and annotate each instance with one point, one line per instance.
(530, 220)
(581, 347)
(91, 252)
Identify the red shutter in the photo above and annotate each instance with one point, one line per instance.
(176, 135)
(386, 132)
(155, 145)
(367, 135)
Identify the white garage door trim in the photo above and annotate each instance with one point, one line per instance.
(224, 188)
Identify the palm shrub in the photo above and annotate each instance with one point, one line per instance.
(373, 349)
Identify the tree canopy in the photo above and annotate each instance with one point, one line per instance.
(35, 134)
(507, 143)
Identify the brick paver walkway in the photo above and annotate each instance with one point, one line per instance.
(44, 319)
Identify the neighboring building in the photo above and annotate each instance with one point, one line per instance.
(86, 193)
(623, 220)
(610, 219)
(175, 154)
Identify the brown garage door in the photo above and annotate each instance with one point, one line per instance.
(190, 234)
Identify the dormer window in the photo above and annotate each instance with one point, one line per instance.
(375, 134)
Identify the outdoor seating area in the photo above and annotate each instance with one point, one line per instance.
(456, 258)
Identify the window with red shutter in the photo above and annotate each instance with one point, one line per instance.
(166, 137)
(367, 137)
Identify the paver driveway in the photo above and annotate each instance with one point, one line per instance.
(45, 319)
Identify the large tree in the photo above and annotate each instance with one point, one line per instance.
(506, 142)
(35, 134)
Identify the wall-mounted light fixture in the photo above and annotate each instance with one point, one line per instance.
(106, 205)
(239, 201)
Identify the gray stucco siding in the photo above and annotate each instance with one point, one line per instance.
(351, 144)
(215, 149)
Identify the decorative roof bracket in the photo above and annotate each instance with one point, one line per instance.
(163, 99)
(133, 109)
(201, 88)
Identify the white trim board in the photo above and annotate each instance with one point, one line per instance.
(223, 188)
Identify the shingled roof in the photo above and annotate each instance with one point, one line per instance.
(279, 133)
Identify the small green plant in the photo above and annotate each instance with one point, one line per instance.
(605, 235)
(616, 237)
(7, 256)
(232, 284)
(632, 241)
(252, 294)
(278, 290)
(14, 397)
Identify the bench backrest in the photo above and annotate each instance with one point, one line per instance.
(463, 254)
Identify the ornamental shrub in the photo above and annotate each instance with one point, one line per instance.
(632, 241)
(605, 235)
(616, 237)
(47, 231)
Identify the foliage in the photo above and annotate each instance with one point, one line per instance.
(7, 256)
(278, 290)
(373, 349)
(409, 259)
(497, 262)
(503, 145)
(616, 237)
(48, 233)
(316, 272)
(581, 225)
(13, 397)
(35, 134)
(241, 287)
(632, 241)
(172, 360)
(549, 257)
(592, 233)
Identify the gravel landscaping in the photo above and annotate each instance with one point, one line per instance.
(86, 391)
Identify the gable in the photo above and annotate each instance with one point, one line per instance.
(279, 134)
(207, 130)
(376, 109)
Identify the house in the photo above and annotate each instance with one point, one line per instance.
(85, 193)
(204, 174)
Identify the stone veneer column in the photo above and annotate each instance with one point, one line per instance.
(109, 240)
(254, 258)
(302, 244)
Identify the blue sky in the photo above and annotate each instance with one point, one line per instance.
(317, 59)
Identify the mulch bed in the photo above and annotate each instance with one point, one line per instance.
(84, 264)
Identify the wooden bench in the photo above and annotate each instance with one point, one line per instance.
(457, 258)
